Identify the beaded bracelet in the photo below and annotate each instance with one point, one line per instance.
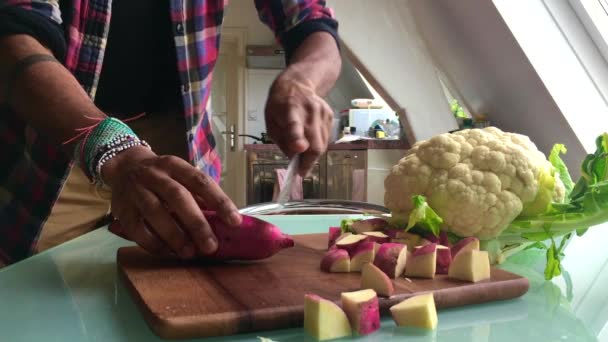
(111, 152)
(113, 144)
(102, 142)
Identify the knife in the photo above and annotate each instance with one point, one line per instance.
(292, 170)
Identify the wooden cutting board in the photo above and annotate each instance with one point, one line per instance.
(188, 300)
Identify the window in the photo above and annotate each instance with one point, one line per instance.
(594, 16)
(566, 57)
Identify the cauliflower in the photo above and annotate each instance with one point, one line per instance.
(500, 188)
(477, 180)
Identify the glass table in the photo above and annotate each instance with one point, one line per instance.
(72, 293)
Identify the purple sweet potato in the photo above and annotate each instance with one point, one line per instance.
(378, 237)
(332, 236)
(425, 249)
(350, 242)
(335, 260)
(362, 254)
(254, 239)
(442, 239)
(467, 243)
(391, 259)
(444, 259)
(369, 225)
(362, 309)
(392, 232)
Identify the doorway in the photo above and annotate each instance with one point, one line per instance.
(227, 106)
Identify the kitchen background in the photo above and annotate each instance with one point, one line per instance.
(502, 62)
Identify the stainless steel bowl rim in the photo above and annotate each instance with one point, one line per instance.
(315, 206)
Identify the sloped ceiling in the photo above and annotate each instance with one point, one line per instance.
(348, 86)
(383, 41)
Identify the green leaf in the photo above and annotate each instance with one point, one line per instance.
(553, 268)
(580, 188)
(538, 245)
(536, 236)
(346, 225)
(562, 244)
(587, 168)
(561, 167)
(424, 216)
(595, 166)
(587, 206)
(453, 238)
(554, 258)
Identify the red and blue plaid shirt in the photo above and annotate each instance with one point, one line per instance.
(33, 169)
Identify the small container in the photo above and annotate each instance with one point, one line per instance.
(379, 132)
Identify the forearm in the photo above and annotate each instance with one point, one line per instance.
(317, 60)
(45, 94)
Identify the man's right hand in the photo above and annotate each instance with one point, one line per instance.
(158, 200)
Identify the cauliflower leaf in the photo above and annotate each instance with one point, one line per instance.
(424, 217)
(561, 167)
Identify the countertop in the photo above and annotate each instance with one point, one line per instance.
(72, 293)
(375, 144)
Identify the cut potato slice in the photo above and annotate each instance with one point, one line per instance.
(350, 242)
(470, 265)
(362, 310)
(373, 278)
(363, 253)
(324, 320)
(335, 261)
(391, 258)
(418, 312)
(422, 262)
(378, 237)
(465, 244)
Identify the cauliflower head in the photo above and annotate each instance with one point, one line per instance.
(477, 180)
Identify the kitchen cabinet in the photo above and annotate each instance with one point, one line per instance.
(358, 175)
(353, 172)
(262, 176)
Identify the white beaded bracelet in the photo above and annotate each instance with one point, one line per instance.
(111, 150)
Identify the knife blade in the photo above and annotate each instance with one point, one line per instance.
(292, 170)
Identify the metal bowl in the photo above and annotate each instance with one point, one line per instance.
(315, 207)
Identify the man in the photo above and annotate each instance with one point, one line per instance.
(70, 69)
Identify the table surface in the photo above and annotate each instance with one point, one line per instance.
(72, 293)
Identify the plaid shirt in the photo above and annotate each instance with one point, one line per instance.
(33, 169)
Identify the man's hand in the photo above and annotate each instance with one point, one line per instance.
(297, 118)
(158, 201)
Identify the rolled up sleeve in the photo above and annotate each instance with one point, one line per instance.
(39, 19)
(294, 20)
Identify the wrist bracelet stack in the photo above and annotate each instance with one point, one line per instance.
(103, 142)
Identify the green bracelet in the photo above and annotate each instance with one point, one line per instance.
(101, 135)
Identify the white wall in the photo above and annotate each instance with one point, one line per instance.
(258, 83)
(349, 86)
(383, 36)
(472, 44)
(242, 13)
